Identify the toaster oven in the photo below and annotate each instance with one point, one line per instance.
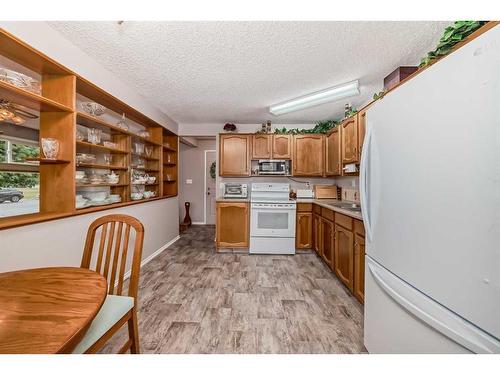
(233, 190)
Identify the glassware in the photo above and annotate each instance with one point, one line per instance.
(143, 134)
(93, 109)
(50, 147)
(149, 151)
(122, 124)
(85, 158)
(79, 135)
(139, 148)
(108, 159)
(94, 135)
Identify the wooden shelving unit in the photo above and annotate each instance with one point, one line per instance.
(59, 119)
(170, 165)
(47, 161)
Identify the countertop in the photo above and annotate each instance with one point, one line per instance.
(222, 199)
(328, 203)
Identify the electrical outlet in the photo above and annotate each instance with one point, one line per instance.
(308, 184)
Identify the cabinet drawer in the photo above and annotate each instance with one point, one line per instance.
(326, 213)
(359, 228)
(304, 207)
(317, 209)
(343, 220)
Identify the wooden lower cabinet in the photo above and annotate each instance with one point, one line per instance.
(303, 230)
(232, 226)
(327, 242)
(317, 233)
(359, 267)
(344, 256)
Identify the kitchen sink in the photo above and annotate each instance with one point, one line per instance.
(347, 206)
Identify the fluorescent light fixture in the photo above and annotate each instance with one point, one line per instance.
(329, 95)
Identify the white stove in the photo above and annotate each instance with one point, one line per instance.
(272, 219)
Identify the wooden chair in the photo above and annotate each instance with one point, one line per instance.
(117, 309)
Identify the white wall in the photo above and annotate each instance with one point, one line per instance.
(60, 242)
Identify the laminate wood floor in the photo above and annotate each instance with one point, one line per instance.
(193, 300)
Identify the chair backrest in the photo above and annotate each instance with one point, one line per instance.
(113, 246)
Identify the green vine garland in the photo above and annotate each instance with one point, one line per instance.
(213, 168)
(451, 36)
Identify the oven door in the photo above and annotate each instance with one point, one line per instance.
(272, 220)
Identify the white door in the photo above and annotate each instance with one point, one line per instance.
(209, 188)
(431, 182)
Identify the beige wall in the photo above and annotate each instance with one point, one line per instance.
(192, 166)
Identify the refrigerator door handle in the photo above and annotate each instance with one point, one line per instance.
(435, 315)
(363, 181)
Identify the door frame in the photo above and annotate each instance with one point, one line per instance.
(205, 185)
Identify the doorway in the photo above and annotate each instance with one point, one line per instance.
(210, 192)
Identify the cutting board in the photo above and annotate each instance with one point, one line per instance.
(325, 192)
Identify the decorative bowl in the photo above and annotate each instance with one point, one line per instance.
(136, 196)
(93, 108)
(85, 158)
(20, 80)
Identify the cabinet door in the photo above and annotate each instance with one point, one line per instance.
(232, 224)
(349, 140)
(317, 233)
(261, 146)
(234, 155)
(327, 239)
(344, 256)
(333, 162)
(359, 267)
(361, 131)
(303, 236)
(308, 155)
(282, 146)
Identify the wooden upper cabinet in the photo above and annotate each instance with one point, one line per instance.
(303, 236)
(349, 140)
(333, 162)
(232, 226)
(234, 154)
(282, 146)
(344, 256)
(261, 146)
(359, 267)
(361, 130)
(308, 155)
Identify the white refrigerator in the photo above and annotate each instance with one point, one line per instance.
(430, 196)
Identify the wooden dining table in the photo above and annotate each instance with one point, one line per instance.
(48, 310)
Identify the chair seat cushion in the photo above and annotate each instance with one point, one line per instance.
(113, 309)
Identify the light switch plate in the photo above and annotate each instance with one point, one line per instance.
(189, 181)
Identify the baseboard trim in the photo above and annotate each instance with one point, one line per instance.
(152, 256)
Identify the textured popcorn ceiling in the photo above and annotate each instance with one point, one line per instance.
(215, 72)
